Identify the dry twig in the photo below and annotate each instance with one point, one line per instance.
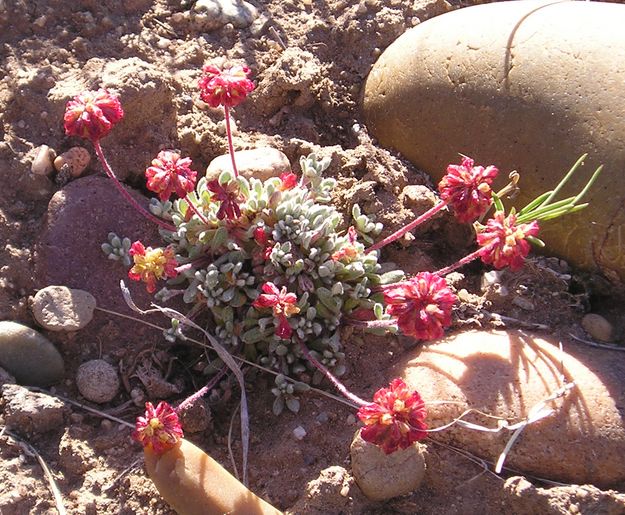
(31, 451)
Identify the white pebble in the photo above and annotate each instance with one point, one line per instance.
(299, 433)
(42, 164)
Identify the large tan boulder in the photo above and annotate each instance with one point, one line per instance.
(526, 85)
(506, 374)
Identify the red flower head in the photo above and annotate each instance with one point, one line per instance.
(151, 264)
(229, 196)
(92, 114)
(395, 419)
(283, 305)
(349, 252)
(169, 173)
(467, 189)
(422, 305)
(159, 429)
(505, 243)
(227, 87)
(289, 181)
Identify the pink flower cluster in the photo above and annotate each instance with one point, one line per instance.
(159, 429)
(395, 419)
(170, 173)
(92, 114)
(505, 242)
(228, 87)
(467, 189)
(283, 304)
(151, 265)
(422, 305)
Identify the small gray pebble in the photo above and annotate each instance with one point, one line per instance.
(97, 381)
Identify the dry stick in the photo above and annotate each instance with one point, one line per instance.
(598, 345)
(229, 136)
(109, 171)
(82, 406)
(230, 453)
(58, 499)
(121, 475)
(496, 317)
(482, 462)
(400, 232)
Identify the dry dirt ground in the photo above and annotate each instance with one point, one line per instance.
(309, 59)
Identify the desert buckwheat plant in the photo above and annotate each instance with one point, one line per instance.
(273, 269)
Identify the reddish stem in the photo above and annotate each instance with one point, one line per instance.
(196, 210)
(109, 171)
(189, 401)
(337, 384)
(467, 259)
(230, 145)
(403, 230)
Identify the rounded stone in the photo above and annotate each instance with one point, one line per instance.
(598, 327)
(42, 163)
(29, 356)
(383, 476)
(97, 381)
(261, 163)
(76, 159)
(58, 308)
(506, 374)
(519, 90)
(212, 14)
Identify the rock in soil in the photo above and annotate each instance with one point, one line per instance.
(5, 377)
(97, 381)
(262, 163)
(31, 412)
(79, 218)
(331, 492)
(506, 374)
(196, 417)
(502, 93)
(42, 164)
(383, 476)
(598, 327)
(76, 159)
(523, 497)
(212, 14)
(58, 308)
(29, 356)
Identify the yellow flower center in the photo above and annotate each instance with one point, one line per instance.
(152, 263)
(399, 406)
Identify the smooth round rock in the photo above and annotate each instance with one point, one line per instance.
(29, 356)
(76, 159)
(506, 374)
(58, 308)
(97, 381)
(261, 163)
(598, 327)
(384, 476)
(212, 14)
(515, 84)
(42, 163)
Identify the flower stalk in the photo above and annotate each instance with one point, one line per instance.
(109, 172)
(335, 382)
